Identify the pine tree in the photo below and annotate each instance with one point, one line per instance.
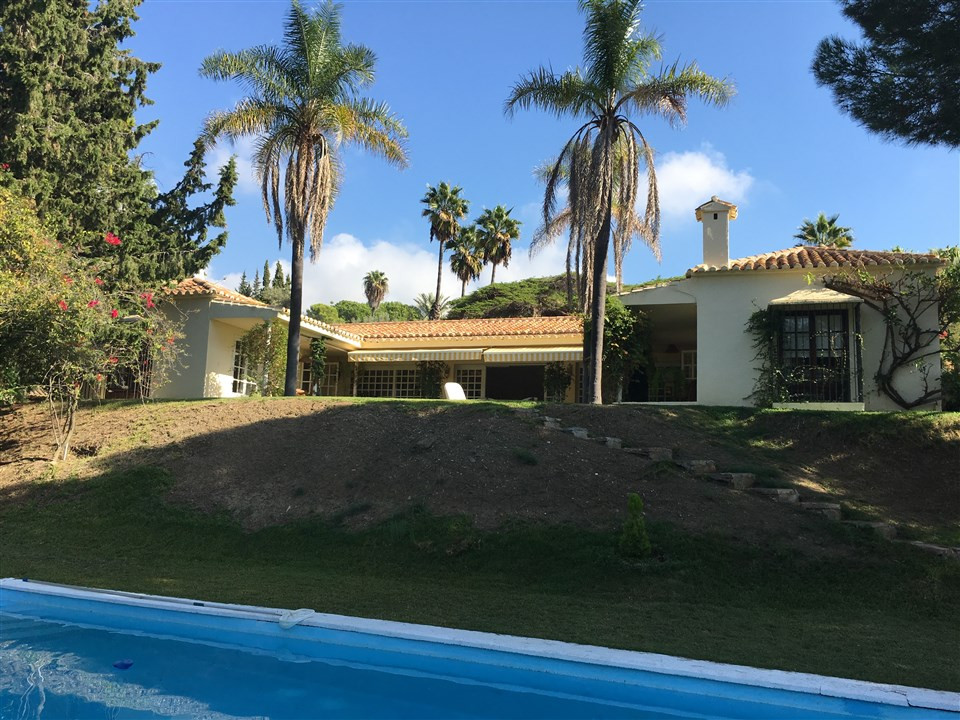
(278, 279)
(255, 288)
(244, 287)
(68, 98)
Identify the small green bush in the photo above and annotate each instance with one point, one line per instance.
(634, 542)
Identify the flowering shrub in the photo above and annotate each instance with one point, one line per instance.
(66, 330)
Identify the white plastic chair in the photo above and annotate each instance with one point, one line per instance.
(453, 391)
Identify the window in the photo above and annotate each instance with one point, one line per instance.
(406, 383)
(688, 361)
(305, 377)
(814, 355)
(389, 382)
(331, 379)
(240, 383)
(375, 383)
(471, 380)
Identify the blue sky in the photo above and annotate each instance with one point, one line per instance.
(781, 150)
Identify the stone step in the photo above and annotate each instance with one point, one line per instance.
(884, 530)
(780, 495)
(578, 432)
(698, 467)
(947, 552)
(655, 454)
(830, 510)
(610, 442)
(738, 481)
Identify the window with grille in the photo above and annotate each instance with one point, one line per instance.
(304, 377)
(375, 383)
(814, 355)
(688, 362)
(406, 383)
(331, 379)
(239, 369)
(471, 380)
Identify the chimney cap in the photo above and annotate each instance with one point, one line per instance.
(715, 204)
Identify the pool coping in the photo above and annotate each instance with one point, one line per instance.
(862, 690)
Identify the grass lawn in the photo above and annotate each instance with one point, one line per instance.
(879, 612)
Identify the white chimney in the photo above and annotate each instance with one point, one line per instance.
(716, 216)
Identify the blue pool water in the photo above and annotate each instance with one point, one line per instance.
(61, 657)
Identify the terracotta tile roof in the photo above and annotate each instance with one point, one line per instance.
(812, 256)
(203, 287)
(487, 327)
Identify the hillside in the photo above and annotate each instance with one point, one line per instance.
(269, 461)
(478, 516)
(523, 298)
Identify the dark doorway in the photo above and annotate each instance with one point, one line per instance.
(637, 389)
(515, 383)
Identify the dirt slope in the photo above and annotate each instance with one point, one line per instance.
(272, 461)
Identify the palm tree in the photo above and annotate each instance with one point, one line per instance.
(444, 209)
(466, 262)
(375, 287)
(604, 155)
(496, 230)
(825, 232)
(427, 304)
(304, 102)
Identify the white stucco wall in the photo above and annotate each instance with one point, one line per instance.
(726, 371)
(221, 343)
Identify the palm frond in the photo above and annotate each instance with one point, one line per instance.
(666, 94)
(563, 95)
(609, 51)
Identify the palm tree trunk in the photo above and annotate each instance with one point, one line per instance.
(296, 307)
(594, 343)
(569, 279)
(493, 273)
(463, 289)
(435, 310)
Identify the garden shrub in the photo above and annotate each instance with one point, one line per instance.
(634, 542)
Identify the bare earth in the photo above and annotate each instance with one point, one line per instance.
(271, 461)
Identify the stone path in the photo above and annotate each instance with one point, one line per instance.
(745, 482)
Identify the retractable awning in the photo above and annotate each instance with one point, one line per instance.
(816, 296)
(413, 355)
(538, 354)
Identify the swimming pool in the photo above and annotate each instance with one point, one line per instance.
(81, 653)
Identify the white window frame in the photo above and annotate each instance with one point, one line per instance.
(240, 385)
(483, 380)
(688, 363)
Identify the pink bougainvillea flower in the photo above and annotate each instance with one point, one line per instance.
(93, 303)
(111, 239)
(113, 360)
(943, 335)
(170, 340)
(62, 304)
(148, 296)
(67, 279)
(5, 166)
(99, 377)
(114, 313)
(98, 281)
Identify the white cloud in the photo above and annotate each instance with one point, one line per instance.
(411, 269)
(218, 156)
(689, 179)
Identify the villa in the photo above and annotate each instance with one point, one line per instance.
(700, 347)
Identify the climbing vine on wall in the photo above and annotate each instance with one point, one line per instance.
(919, 311)
(318, 364)
(769, 386)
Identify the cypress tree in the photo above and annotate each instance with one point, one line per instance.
(278, 279)
(68, 131)
(266, 274)
(255, 288)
